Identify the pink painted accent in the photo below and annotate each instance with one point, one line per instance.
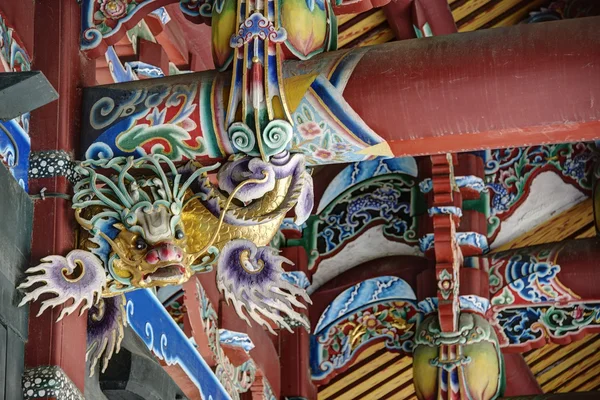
(152, 257)
(164, 252)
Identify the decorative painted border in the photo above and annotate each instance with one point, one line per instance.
(358, 172)
(378, 309)
(372, 290)
(466, 303)
(380, 200)
(472, 239)
(335, 348)
(325, 130)
(470, 181)
(510, 172)
(527, 279)
(524, 328)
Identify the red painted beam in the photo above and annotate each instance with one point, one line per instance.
(171, 37)
(55, 126)
(294, 348)
(520, 381)
(153, 54)
(403, 14)
(437, 14)
(487, 89)
(399, 17)
(19, 16)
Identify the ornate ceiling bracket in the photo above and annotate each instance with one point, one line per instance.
(535, 301)
(510, 173)
(463, 364)
(457, 352)
(446, 213)
(217, 344)
(383, 201)
(105, 22)
(375, 310)
(258, 117)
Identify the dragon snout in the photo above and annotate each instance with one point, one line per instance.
(164, 252)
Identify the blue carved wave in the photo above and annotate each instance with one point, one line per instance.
(529, 278)
(145, 69)
(469, 181)
(119, 72)
(367, 292)
(474, 239)
(360, 171)
(237, 339)
(470, 302)
(162, 14)
(297, 278)
(153, 324)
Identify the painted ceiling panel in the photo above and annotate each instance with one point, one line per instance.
(371, 27)
(378, 374)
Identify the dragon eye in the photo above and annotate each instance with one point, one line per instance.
(140, 244)
(179, 234)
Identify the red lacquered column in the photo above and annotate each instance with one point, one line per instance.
(55, 127)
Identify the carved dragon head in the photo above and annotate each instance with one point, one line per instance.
(135, 219)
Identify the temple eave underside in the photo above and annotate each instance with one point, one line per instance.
(300, 199)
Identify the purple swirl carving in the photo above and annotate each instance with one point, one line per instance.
(286, 165)
(105, 330)
(282, 165)
(257, 26)
(235, 172)
(57, 278)
(306, 200)
(251, 277)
